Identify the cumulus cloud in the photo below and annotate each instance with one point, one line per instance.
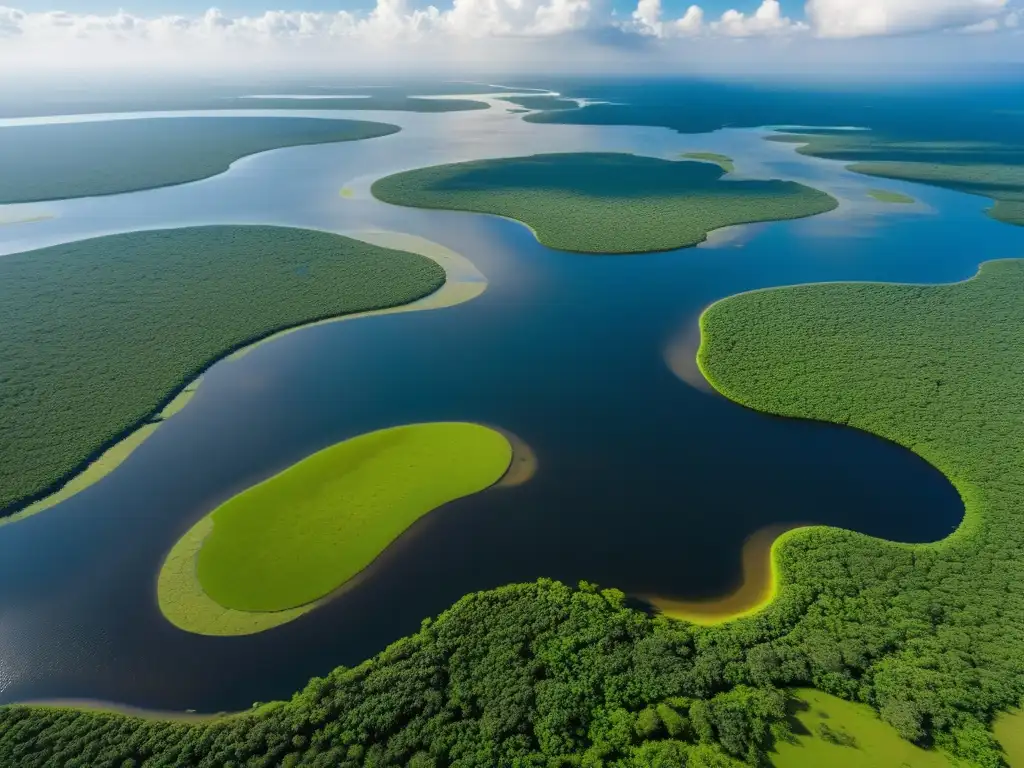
(518, 29)
(766, 20)
(861, 18)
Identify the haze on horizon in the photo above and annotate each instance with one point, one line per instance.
(890, 39)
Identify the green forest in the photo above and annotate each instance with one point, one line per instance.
(604, 202)
(928, 636)
(64, 160)
(989, 169)
(102, 333)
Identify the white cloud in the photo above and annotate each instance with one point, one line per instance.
(691, 22)
(861, 18)
(766, 20)
(509, 33)
(988, 25)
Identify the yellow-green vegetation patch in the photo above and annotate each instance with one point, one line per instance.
(888, 196)
(1009, 732)
(840, 734)
(936, 369)
(722, 161)
(604, 202)
(302, 533)
(271, 553)
(990, 169)
(150, 311)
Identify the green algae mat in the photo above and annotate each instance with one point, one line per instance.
(604, 202)
(101, 333)
(64, 160)
(296, 536)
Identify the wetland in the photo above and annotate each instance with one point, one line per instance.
(634, 469)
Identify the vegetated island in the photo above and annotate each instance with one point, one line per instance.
(723, 161)
(383, 100)
(604, 202)
(150, 311)
(272, 552)
(66, 160)
(988, 169)
(888, 196)
(541, 673)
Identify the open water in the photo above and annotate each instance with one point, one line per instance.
(643, 482)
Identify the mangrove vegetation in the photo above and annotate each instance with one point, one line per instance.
(102, 333)
(604, 202)
(64, 160)
(927, 637)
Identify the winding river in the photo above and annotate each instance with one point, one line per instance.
(643, 481)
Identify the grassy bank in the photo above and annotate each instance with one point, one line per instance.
(840, 734)
(50, 162)
(989, 169)
(151, 310)
(604, 202)
(296, 536)
(722, 161)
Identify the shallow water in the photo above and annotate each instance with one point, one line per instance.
(642, 483)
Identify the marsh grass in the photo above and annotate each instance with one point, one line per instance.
(604, 202)
(101, 334)
(65, 160)
(300, 534)
(831, 732)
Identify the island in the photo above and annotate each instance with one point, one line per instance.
(988, 169)
(150, 311)
(271, 553)
(82, 159)
(604, 202)
(888, 196)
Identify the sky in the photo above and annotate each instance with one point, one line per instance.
(874, 37)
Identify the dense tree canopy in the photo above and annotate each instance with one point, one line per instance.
(542, 675)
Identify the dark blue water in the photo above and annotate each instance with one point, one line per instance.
(643, 482)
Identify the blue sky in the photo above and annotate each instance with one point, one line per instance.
(749, 37)
(793, 8)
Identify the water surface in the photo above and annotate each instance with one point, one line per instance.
(642, 483)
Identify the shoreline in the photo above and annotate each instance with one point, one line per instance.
(758, 587)
(748, 600)
(183, 602)
(463, 282)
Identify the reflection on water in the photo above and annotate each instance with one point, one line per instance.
(644, 483)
